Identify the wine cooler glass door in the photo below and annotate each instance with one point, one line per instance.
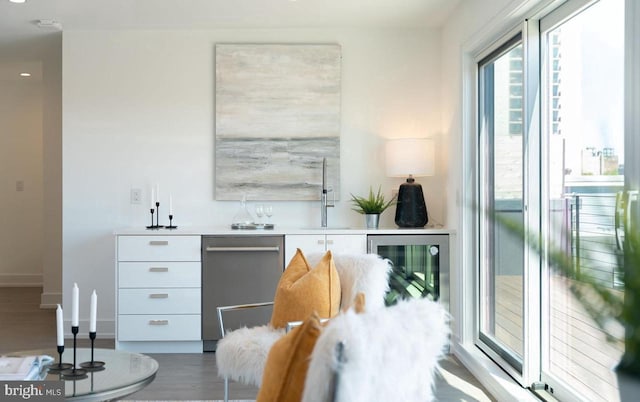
(417, 262)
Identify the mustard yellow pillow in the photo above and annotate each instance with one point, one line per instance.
(359, 303)
(303, 290)
(287, 363)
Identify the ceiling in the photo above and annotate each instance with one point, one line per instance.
(22, 40)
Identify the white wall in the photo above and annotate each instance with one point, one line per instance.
(21, 160)
(52, 172)
(138, 110)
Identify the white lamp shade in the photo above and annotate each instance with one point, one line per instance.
(409, 156)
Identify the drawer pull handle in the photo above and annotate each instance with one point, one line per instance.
(320, 241)
(159, 243)
(329, 241)
(159, 296)
(243, 249)
(159, 269)
(158, 322)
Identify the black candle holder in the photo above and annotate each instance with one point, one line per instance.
(92, 365)
(74, 373)
(59, 366)
(158, 226)
(171, 224)
(152, 225)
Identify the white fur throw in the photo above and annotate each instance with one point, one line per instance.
(391, 354)
(366, 273)
(242, 354)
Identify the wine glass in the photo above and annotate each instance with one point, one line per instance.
(259, 212)
(268, 210)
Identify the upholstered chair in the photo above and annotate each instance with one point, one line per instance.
(241, 354)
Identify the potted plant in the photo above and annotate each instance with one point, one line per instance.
(599, 301)
(371, 206)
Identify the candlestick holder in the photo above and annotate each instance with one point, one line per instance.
(158, 226)
(59, 366)
(74, 373)
(93, 364)
(171, 224)
(152, 225)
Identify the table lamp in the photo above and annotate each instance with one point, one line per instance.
(412, 157)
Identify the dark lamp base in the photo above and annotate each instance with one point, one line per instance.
(411, 210)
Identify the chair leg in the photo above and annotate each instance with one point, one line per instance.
(226, 389)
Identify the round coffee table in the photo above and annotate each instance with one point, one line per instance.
(123, 373)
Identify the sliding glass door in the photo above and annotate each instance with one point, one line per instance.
(550, 153)
(583, 130)
(501, 171)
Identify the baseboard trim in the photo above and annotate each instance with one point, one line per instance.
(50, 299)
(20, 280)
(160, 346)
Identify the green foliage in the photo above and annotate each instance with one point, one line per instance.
(373, 204)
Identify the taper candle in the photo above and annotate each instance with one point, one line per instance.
(157, 192)
(74, 305)
(93, 311)
(170, 205)
(153, 198)
(59, 327)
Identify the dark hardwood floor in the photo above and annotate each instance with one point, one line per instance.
(181, 376)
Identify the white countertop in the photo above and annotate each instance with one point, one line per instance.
(219, 230)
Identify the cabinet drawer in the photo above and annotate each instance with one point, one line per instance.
(159, 301)
(158, 248)
(159, 327)
(159, 274)
(347, 244)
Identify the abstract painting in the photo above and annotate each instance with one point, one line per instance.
(277, 115)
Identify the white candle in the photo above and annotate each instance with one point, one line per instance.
(74, 305)
(170, 205)
(153, 198)
(93, 311)
(59, 326)
(157, 192)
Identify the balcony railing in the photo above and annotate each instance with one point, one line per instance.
(595, 232)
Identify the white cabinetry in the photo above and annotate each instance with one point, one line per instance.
(337, 243)
(158, 296)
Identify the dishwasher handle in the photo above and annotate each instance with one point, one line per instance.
(243, 249)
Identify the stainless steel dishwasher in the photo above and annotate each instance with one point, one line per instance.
(237, 270)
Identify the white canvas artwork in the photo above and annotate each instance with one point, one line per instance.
(277, 114)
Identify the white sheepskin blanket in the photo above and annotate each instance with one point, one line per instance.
(241, 354)
(391, 354)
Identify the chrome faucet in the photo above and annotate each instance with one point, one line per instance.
(324, 202)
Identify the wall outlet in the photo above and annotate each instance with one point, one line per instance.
(20, 185)
(136, 195)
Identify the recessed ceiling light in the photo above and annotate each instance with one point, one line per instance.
(17, 1)
(25, 74)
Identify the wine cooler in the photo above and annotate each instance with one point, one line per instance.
(420, 265)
